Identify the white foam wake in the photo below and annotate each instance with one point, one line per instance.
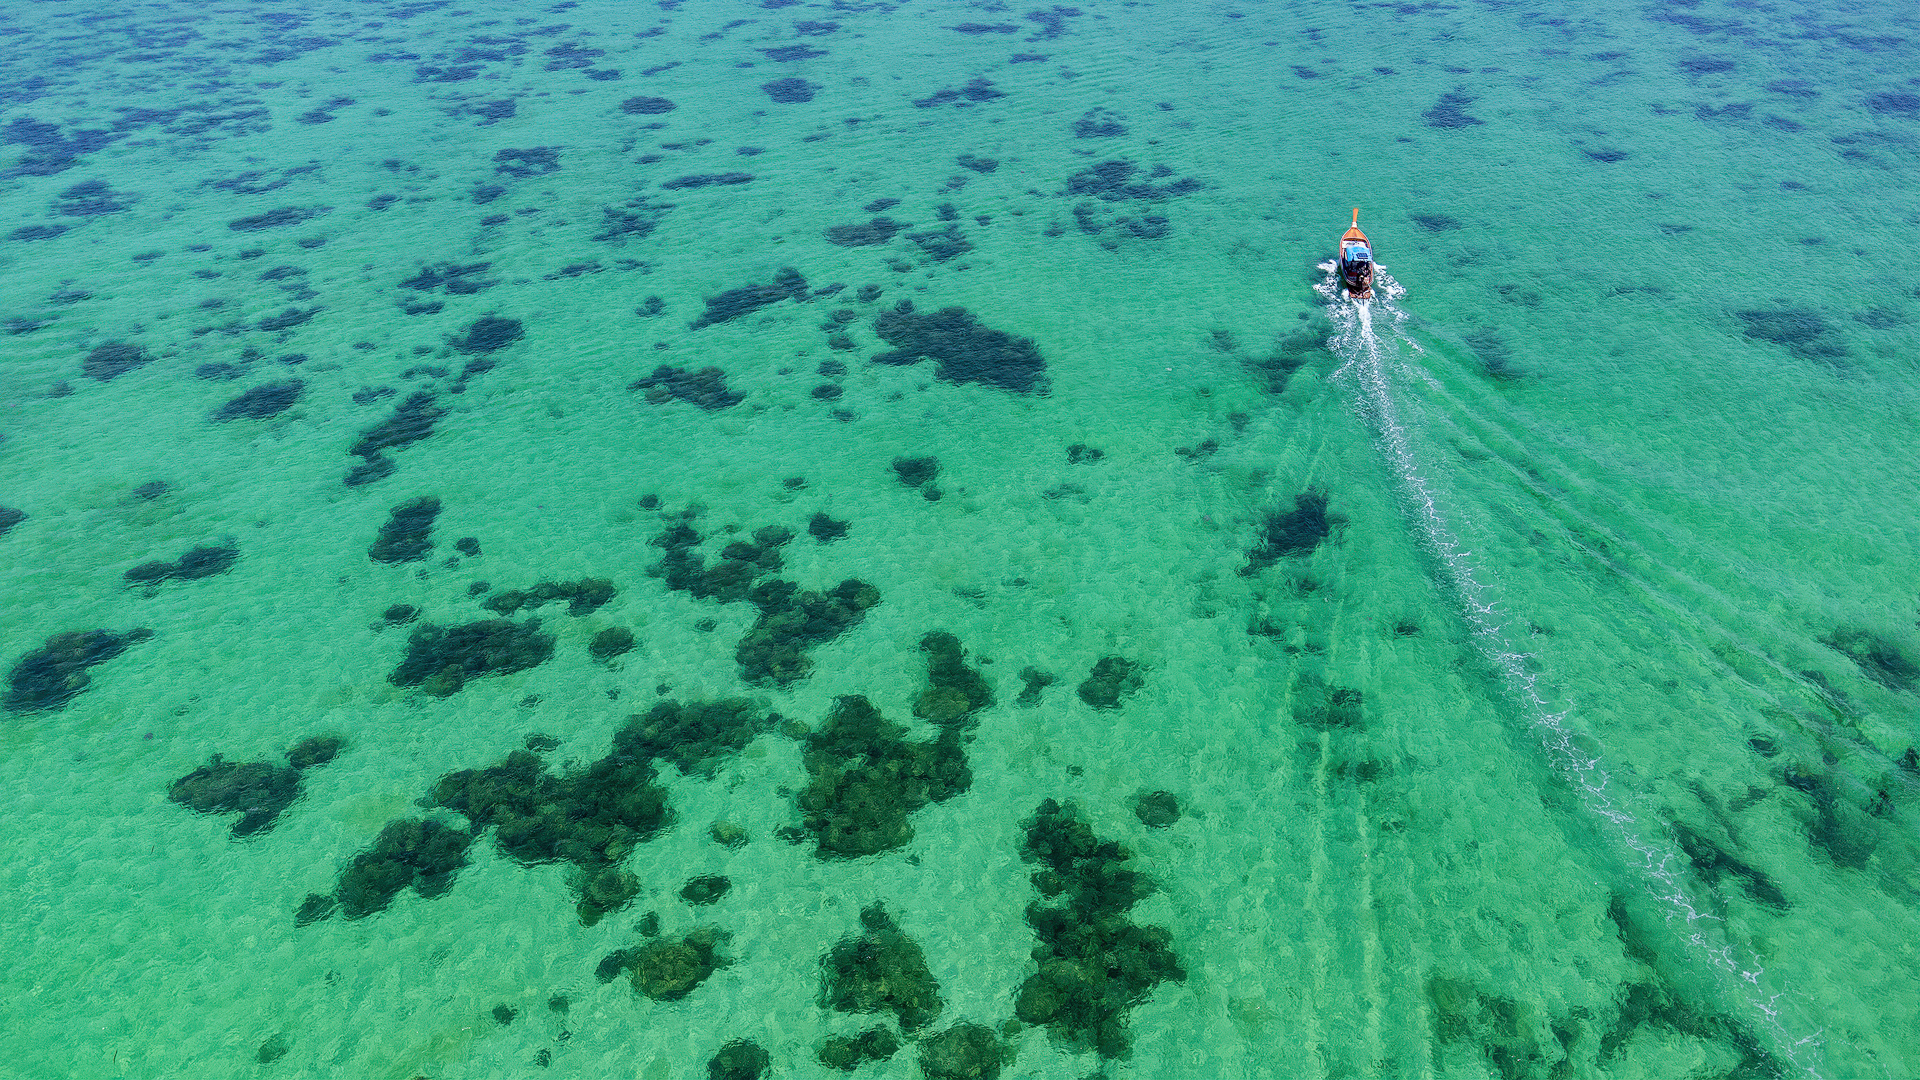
(1368, 367)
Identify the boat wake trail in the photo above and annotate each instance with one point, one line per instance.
(1370, 341)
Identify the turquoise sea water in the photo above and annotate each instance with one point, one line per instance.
(1513, 677)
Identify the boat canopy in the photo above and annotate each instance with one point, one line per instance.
(1359, 253)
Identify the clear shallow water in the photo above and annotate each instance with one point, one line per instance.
(1573, 749)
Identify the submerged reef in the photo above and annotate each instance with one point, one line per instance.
(1714, 864)
(51, 675)
(706, 889)
(965, 1051)
(1093, 965)
(416, 853)
(1294, 533)
(792, 619)
(729, 305)
(1112, 678)
(1156, 809)
(611, 642)
(1803, 333)
(440, 659)
(874, 231)
(257, 790)
(262, 402)
(849, 1053)
(865, 779)
(741, 1059)
(411, 421)
(881, 969)
(669, 969)
(919, 473)
(404, 537)
(706, 387)
(962, 349)
(200, 562)
(695, 736)
(489, 333)
(956, 691)
(114, 359)
(591, 818)
(584, 597)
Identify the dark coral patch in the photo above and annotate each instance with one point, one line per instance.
(700, 180)
(789, 91)
(412, 421)
(669, 969)
(1156, 809)
(584, 597)
(1295, 533)
(787, 284)
(1094, 965)
(1895, 102)
(51, 675)
(1112, 678)
(611, 642)
(880, 970)
(262, 402)
(963, 349)
(440, 659)
(258, 791)
(114, 359)
(875, 231)
(1714, 864)
(955, 691)
(530, 162)
(406, 535)
(706, 889)
(1113, 181)
(741, 1059)
(847, 1054)
(646, 106)
(604, 892)
(695, 736)
(591, 817)
(200, 562)
(91, 199)
(1879, 659)
(916, 472)
(965, 1051)
(1451, 112)
(488, 334)
(1801, 332)
(866, 779)
(415, 853)
(1323, 707)
(9, 517)
(276, 218)
(706, 387)
(792, 620)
